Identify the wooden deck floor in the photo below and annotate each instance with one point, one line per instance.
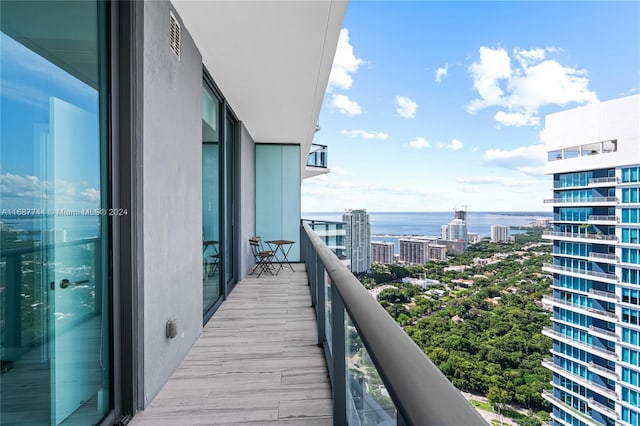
(256, 363)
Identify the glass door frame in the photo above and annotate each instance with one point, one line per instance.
(228, 158)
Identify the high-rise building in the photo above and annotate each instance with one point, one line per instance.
(458, 230)
(594, 157)
(358, 239)
(444, 232)
(382, 252)
(499, 233)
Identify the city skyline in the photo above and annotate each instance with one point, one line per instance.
(430, 107)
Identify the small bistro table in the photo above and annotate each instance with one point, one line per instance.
(284, 246)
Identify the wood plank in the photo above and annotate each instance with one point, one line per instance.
(257, 362)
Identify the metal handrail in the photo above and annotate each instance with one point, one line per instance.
(421, 392)
(579, 235)
(580, 271)
(604, 218)
(607, 256)
(603, 180)
(582, 200)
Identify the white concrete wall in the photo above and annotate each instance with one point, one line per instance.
(616, 119)
(172, 197)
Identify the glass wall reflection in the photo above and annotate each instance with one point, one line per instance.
(54, 293)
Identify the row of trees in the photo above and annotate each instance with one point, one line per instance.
(486, 339)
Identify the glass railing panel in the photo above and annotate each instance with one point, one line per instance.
(318, 156)
(368, 402)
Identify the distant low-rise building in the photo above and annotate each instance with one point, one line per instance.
(437, 252)
(382, 252)
(474, 237)
(425, 283)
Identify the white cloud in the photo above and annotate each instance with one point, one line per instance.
(345, 63)
(419, 143)
(516, 118)
(406, 107)
(339, 171)
(498, 180)
(345, 105)
(22, 191)
(494, 65)
(527, 159)
(364, 134)
(442, 72)
(455, 145)
(549, 83)
(335, 195)
(533, 82)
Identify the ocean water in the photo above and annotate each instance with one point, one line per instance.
(429, 223)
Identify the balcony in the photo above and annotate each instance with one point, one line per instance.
(549, 396)
(603, 371)
(590, 384)
(604, 181)
(257, 360)
(602, 257)
(602, 276)
(317, 156)
(607, 411)
(583, 201)
(603, 295)
(576, 236)
(605, 353)
(310, 347)
(603, 219)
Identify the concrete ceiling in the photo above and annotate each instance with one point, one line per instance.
(271, 60)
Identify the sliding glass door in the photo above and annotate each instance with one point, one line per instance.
(211, 247)
(54, 288)
(218, 153)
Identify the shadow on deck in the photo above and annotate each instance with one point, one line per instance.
(257, 362)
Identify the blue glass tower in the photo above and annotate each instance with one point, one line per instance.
(594, 157)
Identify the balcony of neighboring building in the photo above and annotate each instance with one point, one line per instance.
(580, 237)
(580, 273)
(586, 201)
(603, 409)
(592, 385)
(597, 350)
(554, 400)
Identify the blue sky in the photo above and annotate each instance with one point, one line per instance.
(435, 105)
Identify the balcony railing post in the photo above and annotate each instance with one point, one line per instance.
(339, 359)
(320, 300)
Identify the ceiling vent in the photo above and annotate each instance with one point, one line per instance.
(174, 34)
